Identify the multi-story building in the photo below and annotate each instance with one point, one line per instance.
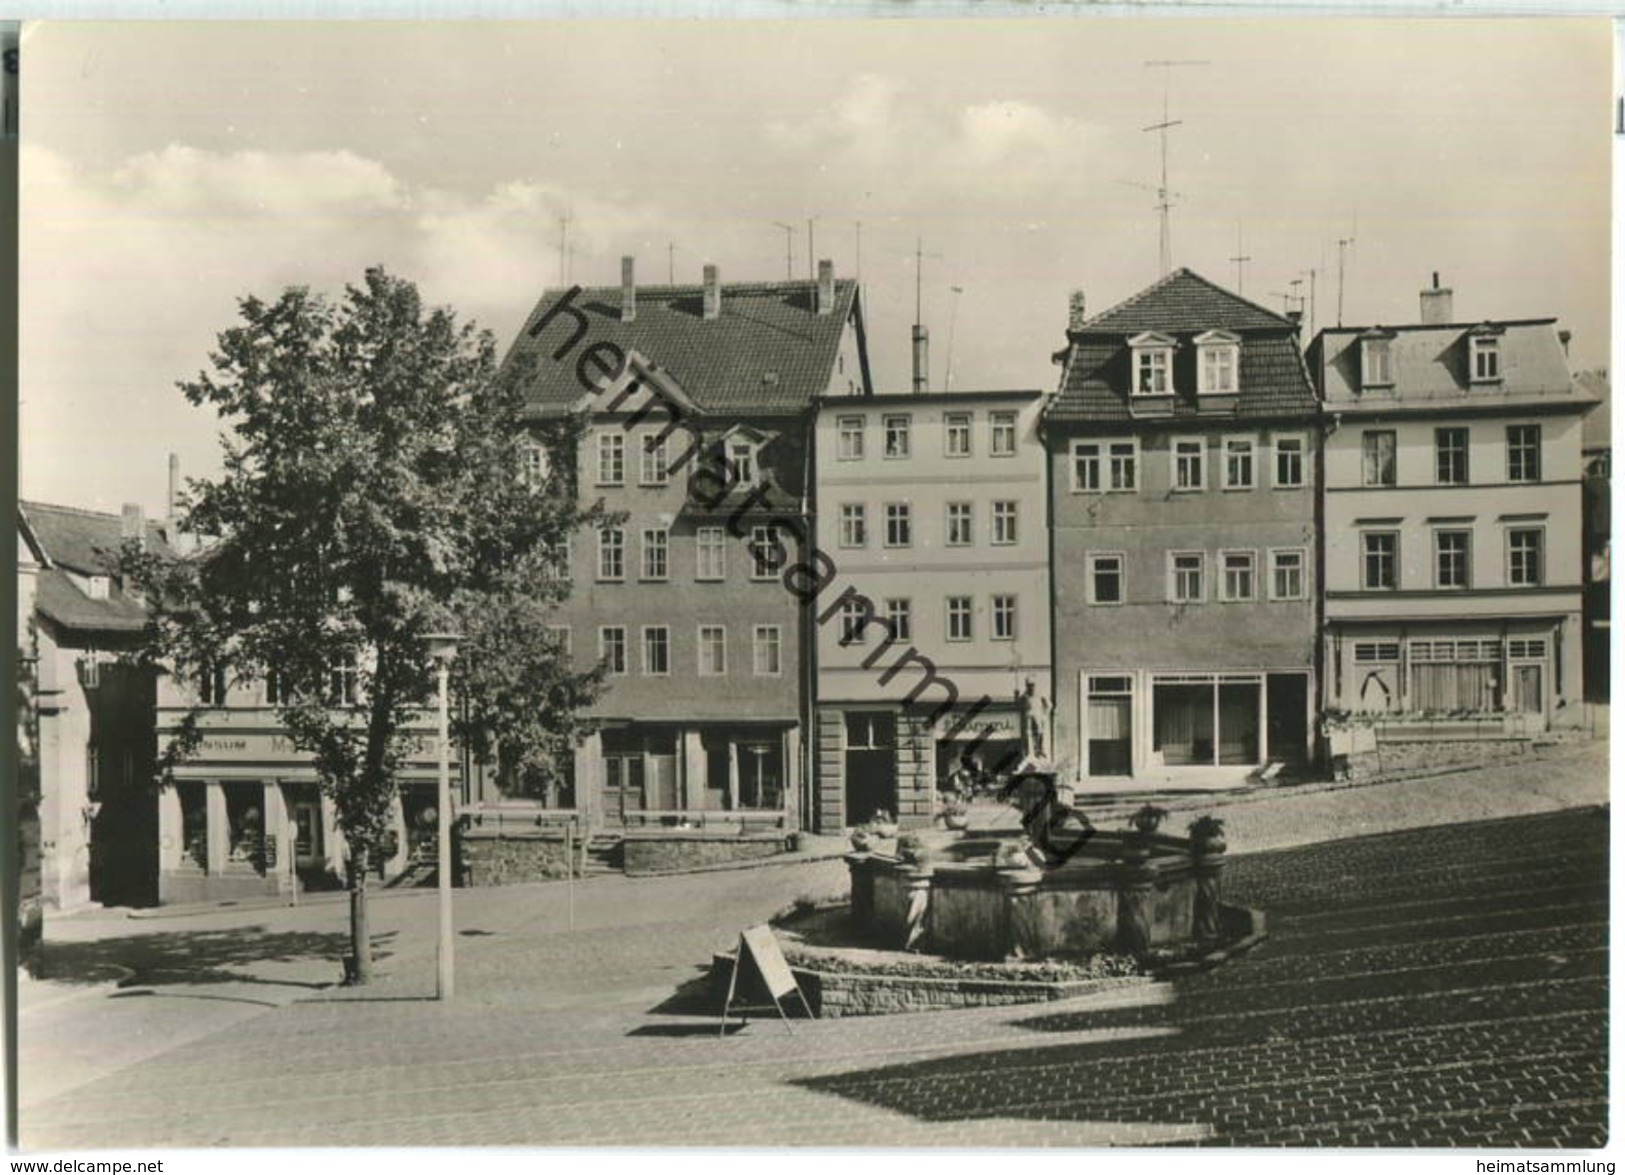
(932, 511)
(93, 717)
(1454, 552)
(1183, 494)
(696, 404)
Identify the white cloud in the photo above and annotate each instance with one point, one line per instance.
(129, 273)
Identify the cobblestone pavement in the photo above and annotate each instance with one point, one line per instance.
(1444, 986)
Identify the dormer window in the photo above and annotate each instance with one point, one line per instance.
(1153, 364)
(1485, 357)
(1376, 361)
(742, 455)
(533, 467)
(1218, 363)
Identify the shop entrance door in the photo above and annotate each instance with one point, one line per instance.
(871, 765)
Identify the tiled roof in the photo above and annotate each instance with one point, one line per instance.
(769, 351)
(1598, 430)
(59, 598)
(1184, 302)
(1429, 365)
(1097, 376)
(86, 542)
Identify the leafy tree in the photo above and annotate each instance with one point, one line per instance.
(375, 490)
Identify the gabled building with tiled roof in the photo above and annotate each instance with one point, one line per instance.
(1455, 557)
(698, 403)
(96, 740)
(1182, 449)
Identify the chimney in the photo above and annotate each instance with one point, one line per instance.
(922, 366)
(1563, 336)
(1437, 308)
(713, 294)
(1076, 315)
(826, 286)
(134, 524)
(174, 508)
(629, 292)
(1295, 317)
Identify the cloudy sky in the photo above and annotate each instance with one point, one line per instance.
(170, 169)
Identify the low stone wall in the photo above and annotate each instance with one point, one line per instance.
(834, 995)
(1406, 756)
(514, 857)
(679, 850)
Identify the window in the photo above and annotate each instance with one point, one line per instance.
(1288, 462)
(654, 463)
(850, 447)
(1085, 467)
(1450, 456)
(1004, 524)
(1153, 363)
(1004, 618)
(1486, 358)
(1375, 369)
(767, 651)
(1185, 577)
(612, 554)
(742, 455)
(1524, 557)
(611, 458)
(854, 623)
(710, 553)
(957, 434)
(1286, 575)
(900, 615)
(533, 467)
(211, 686)
(656, 650)
(341, 682)
(713, 650)
(767, 554)
(1452, 558)
(1219, 358)
(98, 586)
(1527, 649)
(558, 568)
(1123, 456)
(899, 527)
(959, 524)
(1188, 458)
(1240, 575)
(561, 638)
(1105, 582)
(870, 731)
(276, 688)
(1377, 452)
(1238, 463)
(896, 436)
(959, 618)
(1523, 452)
(854, 525)
(1375, 652)
(656, 552)
(1379, 560)
(612, 648)
(1004, 434)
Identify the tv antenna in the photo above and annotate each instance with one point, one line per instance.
(812, 265)
(1342, 250)
(857, 235)
(1164, 201)
(920, 257)
(789, 231)
(671, 262)
(1241, 260)
(953, 317)
(564, 248)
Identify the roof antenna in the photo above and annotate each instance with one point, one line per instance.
(789, 230)
(1164, 202)
(1241, 260)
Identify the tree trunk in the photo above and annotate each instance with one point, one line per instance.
(360, 939)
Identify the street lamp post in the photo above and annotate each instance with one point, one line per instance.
(443, 648)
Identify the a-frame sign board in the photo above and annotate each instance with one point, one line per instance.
(765, 971)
